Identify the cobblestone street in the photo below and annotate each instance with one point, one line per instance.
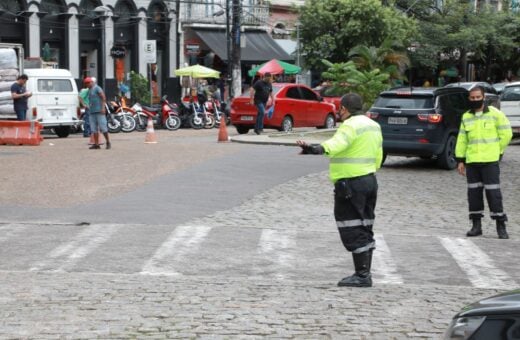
(264, 268)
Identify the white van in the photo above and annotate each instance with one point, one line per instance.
(54, 102)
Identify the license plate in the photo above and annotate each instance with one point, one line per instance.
(397, 120)
(246, 118)
(57, 113)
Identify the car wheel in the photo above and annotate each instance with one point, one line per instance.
(446, 159)
(287, 124)
(242, 129)
(330, 122)
(62, 131)
(384, 158)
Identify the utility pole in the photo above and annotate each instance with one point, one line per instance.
(229, 76)
(236, 87)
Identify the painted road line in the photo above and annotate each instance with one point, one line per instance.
(383, 265)
(65, 256)
(279, 247)
(182, 241)
(477, 265)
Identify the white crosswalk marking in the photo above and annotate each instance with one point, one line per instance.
(183, 240)
(11, 230)
(65, 256)
(477, 265)
(383, 265)
(279, 246)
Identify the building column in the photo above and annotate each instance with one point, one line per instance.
(173, 43)
(142, 35)
(34, 33)
(108, 27)
(74, 43)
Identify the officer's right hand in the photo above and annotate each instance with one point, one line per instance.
(461, 169)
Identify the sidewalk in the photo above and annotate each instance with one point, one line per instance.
(285, 138)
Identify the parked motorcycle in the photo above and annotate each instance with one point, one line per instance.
(217, 109)
(123, 114)
(194, 112)
(114, 125)
(165, 115)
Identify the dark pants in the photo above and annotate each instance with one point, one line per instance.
(259, 125)
(355, 215)
(20, 114)
(480, 177)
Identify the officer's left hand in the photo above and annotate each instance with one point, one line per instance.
(461, 169)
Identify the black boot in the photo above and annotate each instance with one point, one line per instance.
(362, 277)
(476, 229)
(501, 230)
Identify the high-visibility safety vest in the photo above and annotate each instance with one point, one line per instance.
(356, 149)
(482, 139)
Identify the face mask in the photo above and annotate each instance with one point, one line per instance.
(475, 104)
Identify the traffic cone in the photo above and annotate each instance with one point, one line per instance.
(150, 137)
(222, 132)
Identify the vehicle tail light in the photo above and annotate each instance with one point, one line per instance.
(34, 112)
(433, 118)
(372, 115)
(424, 141)
(404, 93)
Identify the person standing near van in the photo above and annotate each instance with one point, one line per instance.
(98, 119)
(20, 94)
(84, 102)
(483, 137)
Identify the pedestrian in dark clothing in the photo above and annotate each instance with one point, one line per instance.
(20, 94)
(260, 93)
(355, 153)
(483, 137)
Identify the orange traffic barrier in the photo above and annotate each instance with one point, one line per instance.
(20, 132)
(150, 137)
(222, 132)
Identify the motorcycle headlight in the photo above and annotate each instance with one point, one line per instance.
(462, 328)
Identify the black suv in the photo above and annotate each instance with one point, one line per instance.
(421, 122)
(491, 96)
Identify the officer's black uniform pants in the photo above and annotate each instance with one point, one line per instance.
(355, 215)
(480, 177)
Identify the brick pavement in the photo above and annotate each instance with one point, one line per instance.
(416, 202)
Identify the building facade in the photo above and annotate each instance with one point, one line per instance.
(109, 38)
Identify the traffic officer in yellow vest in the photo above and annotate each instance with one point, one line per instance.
(355, 153)
(483, 137)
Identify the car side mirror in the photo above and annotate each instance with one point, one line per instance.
(320, 98)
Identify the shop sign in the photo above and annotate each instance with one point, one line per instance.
(192, 48)
(117, 52)
(150, 51)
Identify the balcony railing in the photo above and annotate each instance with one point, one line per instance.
(214, 13)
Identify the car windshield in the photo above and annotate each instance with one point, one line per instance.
(54, 85)
(398, 102)
(511, 93)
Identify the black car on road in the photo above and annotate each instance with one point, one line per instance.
(491, 95)
(496, 317)
(421, 121)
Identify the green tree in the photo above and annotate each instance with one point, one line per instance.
(330, 28)
(456, 31)
(367, 83)
(139, 88)
(389, 57)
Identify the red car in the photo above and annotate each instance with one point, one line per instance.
(296, 105)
